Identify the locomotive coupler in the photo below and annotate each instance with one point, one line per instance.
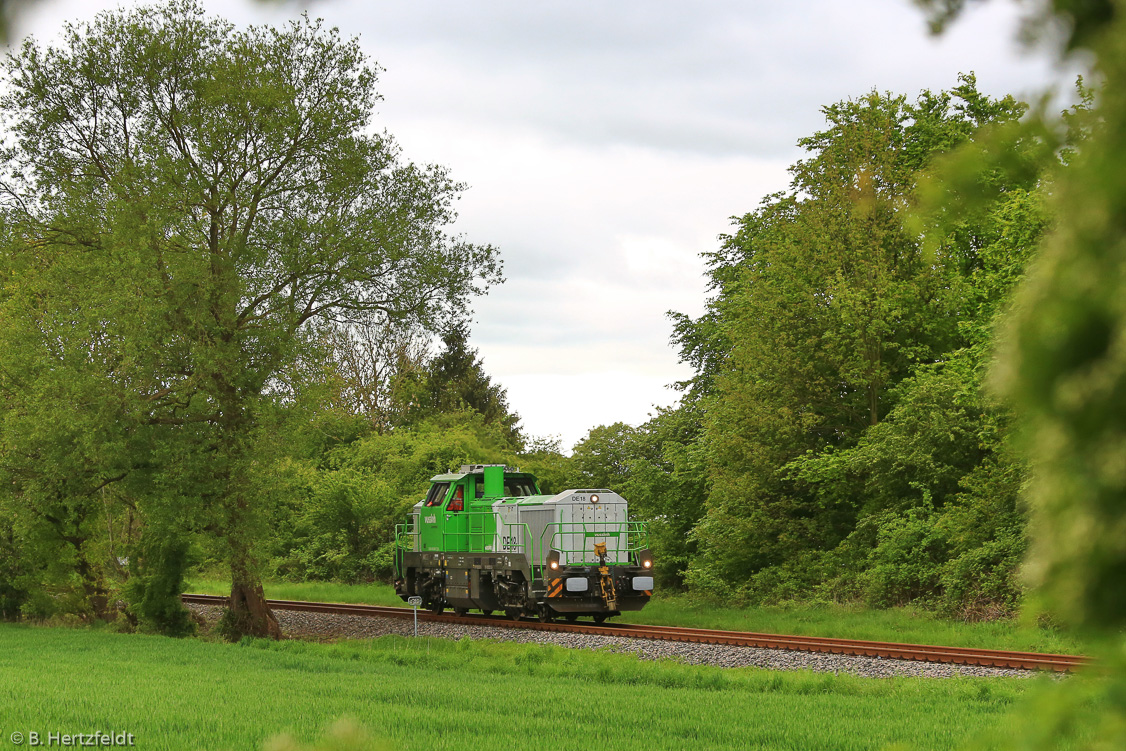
(605, 579)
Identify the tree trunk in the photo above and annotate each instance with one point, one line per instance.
(248, 613)
(250, 616)
(93, 586)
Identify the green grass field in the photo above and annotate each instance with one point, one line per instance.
(438, 694)
(896, 624)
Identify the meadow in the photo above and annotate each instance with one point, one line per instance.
(439, 694)
(906, 624)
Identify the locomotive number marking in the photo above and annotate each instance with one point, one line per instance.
(509, 544)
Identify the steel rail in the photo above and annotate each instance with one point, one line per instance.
(884, 650)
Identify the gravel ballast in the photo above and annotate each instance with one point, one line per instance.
(323, 626)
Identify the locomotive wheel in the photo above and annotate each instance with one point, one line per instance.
(461, 612)
(514, 613)
(546, 616)
(437, 607)
(486, 612)
(600, 618)
(571, 617)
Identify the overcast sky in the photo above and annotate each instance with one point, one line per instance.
(607, 144)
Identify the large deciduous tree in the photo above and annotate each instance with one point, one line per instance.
(825, 301)
(184, 200)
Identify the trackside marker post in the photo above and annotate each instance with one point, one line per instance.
(414, 602)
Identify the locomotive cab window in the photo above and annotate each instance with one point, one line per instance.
(437, 494)
(518, 487)
(457, 503)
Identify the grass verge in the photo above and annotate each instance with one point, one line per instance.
(439, 694)
(909, 625)
(906, 624)
(360, 594)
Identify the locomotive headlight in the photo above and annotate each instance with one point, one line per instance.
(554, 565)
(647, 564)
(594, 499)
(553, 557)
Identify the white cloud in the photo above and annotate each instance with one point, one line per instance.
(559, 403)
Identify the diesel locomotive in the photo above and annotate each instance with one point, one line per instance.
(485, 538)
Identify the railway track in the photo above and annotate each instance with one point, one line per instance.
(886, 650)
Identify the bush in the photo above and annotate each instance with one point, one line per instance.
(13, 579)
(906, 563)
(155, 587)
(983, 583)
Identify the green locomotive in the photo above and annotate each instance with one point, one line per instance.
(485, 538)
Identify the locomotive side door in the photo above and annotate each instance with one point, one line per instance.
(431, 519)
(457, 538)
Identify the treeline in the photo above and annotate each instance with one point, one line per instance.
(838, 440)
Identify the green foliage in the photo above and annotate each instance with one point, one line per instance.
(335, 512)
(603, 459)
(903, 565)
(408, 458)
(660, 470)
(156, 585)
(1064, 369)
(848, 448)
(14, 588)
(184, 201)
(669, 485)
(455, 380)
(337, 522)
(544, 458)
(940, 519)
(68, 427)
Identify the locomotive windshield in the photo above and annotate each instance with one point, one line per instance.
(437, 494)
